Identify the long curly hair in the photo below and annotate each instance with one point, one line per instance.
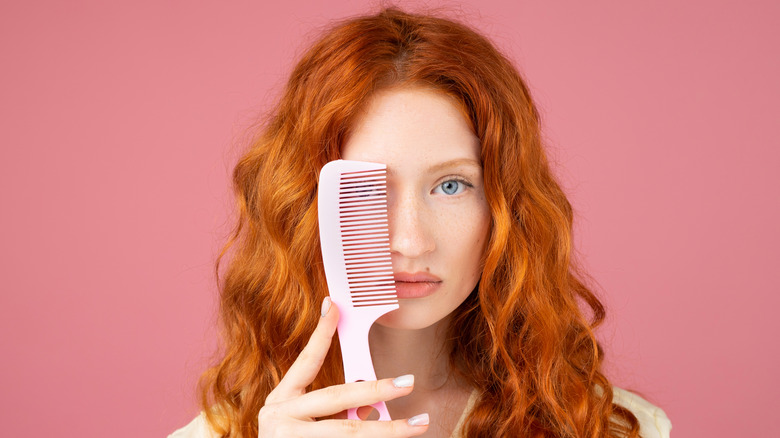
(524, 336)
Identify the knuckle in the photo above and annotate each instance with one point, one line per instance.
(352, 427)
(376, 387)
(333, 391)
(270, 424)
(309, 357)
(396, 429)
(267, 415)
(271, 399)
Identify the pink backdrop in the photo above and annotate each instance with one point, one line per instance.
(119, 124)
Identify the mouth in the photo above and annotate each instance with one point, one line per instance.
(416, 285)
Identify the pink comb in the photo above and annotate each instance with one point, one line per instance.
(355, 242)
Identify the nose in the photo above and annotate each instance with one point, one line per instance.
(409, 226)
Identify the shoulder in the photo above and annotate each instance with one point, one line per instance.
(653, 422)
(198, 428)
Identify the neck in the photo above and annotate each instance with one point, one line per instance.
(422, 352)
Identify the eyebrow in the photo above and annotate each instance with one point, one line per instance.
(448, 164)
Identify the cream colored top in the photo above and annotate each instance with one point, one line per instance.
(653, 422)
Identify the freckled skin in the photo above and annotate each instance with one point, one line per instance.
(425, 141)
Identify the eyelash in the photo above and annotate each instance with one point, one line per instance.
(457, 179)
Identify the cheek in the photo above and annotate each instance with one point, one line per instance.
(464, 233)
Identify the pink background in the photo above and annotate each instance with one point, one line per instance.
(120, 122)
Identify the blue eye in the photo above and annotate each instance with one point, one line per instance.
(451, 187)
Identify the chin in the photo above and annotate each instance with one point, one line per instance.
(409, 319)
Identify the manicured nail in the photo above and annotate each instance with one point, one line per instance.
(404, 381)
(418, 420)
(325, 306)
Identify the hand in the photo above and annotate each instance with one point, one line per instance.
(290, 411)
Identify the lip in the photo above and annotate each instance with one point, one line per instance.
(416, 277)
(415, 285)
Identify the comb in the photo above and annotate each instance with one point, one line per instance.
(355, 243)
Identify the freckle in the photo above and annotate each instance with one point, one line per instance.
(427, 269)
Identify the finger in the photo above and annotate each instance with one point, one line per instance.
(330, 400)
(306, 367)
(373, 429)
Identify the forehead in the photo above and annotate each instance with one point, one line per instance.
(411, 126)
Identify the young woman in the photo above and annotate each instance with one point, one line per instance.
(490, 339)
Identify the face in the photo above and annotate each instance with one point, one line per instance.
(438, 215)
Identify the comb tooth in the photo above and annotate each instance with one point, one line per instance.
(366, 181)
(357, 282)
(366, 236)
(368, 230)
(362, 191)
(353, 200)
(365, 239)
(384, 290)
(359, 276)
(356, 256)
(367, 212)
(371, 230)
(373, 300)
(368, 255)
(363, 220)
(359, 245)
(381, 266)
(362, 174)
(363, 180)
(365, 228)
(370, 259)
(383, 296)
(373, 206)
(354, 180)
(377, 249)
(358, 225)
(365, 193)
(368, 298)
(370, 268)
(372, 292)
(361, 255)
(370, 278)
(357, 252)
(373, 264)
(363, 231)
(345, 177)
(387, 294)
(371, 184)
(372, 282)
(372, 285)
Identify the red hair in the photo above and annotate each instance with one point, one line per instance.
(521, 337)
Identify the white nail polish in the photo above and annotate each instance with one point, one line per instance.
(418, 420)
(404, 381)
(325, 306)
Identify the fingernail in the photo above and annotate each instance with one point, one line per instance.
(418, 420)
(404, 381)
(325, 306)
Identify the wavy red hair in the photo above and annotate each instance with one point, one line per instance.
(522, 337)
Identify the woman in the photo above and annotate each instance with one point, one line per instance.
(490, 339)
